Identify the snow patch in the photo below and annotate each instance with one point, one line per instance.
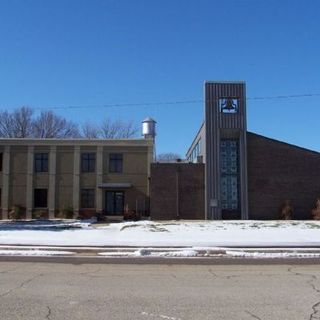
(256, 254)
(34, 253)
(182, 253)
(152, 253)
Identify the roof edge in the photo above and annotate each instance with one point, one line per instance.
(283, 142)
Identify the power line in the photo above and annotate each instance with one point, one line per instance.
(286, 96)
(141, 104)
(159, 103)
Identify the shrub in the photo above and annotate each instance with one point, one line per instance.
(39, 214)
(286, 210)
(66, 213)
(130, 215)
(16, 213)
(316, 211)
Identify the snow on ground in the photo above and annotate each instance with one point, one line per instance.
(195, 253)
(260, 255)
(34, 253)
(168, 233)
(149, 253)
(44, 225)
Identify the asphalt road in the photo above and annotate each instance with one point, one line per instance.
(156, 292)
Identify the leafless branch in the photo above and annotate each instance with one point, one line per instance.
(17, 124)
(168, 157)
(90, 131)
(49, 125)
(109, 129)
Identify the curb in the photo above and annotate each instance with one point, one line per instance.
(78, 260)
(159, 252)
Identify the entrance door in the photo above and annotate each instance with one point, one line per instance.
(114, 202)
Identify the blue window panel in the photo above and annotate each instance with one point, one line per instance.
(229, 174)
(229, 192)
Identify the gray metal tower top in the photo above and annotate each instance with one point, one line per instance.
(149, 128)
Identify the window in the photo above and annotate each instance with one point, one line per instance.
(87, 198)
(196, 151)
(40, 198)
(229, 174)
(88, 162)
(41, 162)
(115, 162)
(1, 161)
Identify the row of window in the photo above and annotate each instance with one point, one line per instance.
(195, 152)
(114, 200)
(87, 198)
(88, 162)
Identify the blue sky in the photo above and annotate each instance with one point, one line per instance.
(90, 53)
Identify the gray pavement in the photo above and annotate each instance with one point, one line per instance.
(34, 291)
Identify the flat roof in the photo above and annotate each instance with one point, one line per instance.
(223, 82)
(76, 142)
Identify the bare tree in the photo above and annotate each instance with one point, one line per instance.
(22, 124)
(117, 129)
(49, 125)
(17, 124)
(6, 125)
(90, 131)
(168, 157)
(109, 129)
(22, 119)
(127, 129)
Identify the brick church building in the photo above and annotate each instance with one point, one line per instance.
(231, 173)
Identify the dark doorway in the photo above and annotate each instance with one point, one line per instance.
(114, 202)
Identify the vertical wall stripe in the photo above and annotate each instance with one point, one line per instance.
(30, 172)
(99, 191)
(5, 182)
(52, 181)
(76, 180)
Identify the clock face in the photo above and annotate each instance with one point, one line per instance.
(228, 105)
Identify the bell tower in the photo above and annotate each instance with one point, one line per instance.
(226, 150)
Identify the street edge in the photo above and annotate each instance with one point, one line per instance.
(162, 260)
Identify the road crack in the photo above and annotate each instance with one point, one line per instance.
(90, 273)
(252, 315)
(315, 315)
(214, 274)
(21, 285)
(48, 313)
(7, 271)
(222, 276)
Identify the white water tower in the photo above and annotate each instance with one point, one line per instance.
(149, 128)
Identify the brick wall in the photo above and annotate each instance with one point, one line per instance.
(177, 191)
(278, 171)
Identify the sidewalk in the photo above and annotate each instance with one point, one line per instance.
(158, 252)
